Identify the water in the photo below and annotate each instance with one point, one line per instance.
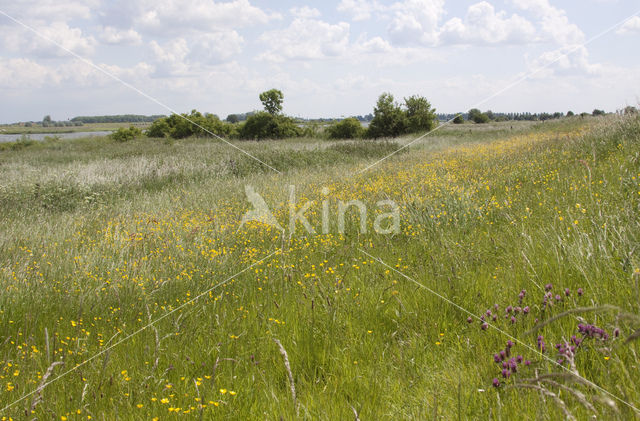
(41, 136)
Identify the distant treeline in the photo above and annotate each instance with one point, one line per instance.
(125, 118)
(480, 117)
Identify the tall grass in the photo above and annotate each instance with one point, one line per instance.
(98, 239)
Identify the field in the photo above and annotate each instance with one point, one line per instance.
(130, 290)
(90, 127)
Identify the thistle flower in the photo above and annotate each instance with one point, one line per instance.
(526, 310)
(548, 287)
(496, 383)
(580, 292)
(567, 292)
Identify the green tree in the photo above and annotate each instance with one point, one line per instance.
(272, 101)
(349, 128)
(478, 116)
(264, 125)
(459, 119)
(570, 114)
(597, 113)
(389, 120)
(420, 115)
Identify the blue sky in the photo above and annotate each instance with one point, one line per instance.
(331, 58)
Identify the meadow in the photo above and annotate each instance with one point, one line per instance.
(130, 290)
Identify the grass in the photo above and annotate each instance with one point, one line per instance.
(89, 127)
(99, 238)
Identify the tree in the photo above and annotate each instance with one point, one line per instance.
(233, 118)
(570, 114)
(272, 101)
(264, 125)
(420, 115)
(478, 116)
(459, 119)
(389, 120)
(349, 128)
(597, 112)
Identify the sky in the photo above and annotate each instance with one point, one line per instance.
(329, 58)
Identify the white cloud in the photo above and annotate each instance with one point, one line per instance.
(216, 48)
(115, 36)
(22, 41)
(632, 26)
(171, 57)
(305, 12)
(306, 39)
(554, 23)
(565, 61)
(173, 16)
(360, 10)
(415, 22)
(49, 10)
(483, 25)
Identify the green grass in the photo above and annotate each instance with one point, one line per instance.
(98, 238)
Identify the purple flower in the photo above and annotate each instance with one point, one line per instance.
(513, 320)
(567, 292)
(509, 344)
(519, 359)
(548, 287)
(509, 309)
(469, 319)
(527, 363)
(496, 383)
(497, 358)
(580, 292)
(484, 326)
(558, 297)
(526, 310)
(506, 373)
(502, 355)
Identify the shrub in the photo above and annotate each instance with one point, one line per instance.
(124, 135)
(420, 115)
(459, 119)
(263, 125)
(194, 124)
(389, 120)
(478, 116)
(349, 128)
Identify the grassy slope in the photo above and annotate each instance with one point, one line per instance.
(97, 239)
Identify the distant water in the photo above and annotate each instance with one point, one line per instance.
(41, 136)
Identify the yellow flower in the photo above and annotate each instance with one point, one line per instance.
(139, 405)
(223, 391)
(232, 393)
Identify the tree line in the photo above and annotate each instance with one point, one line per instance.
(389, 119)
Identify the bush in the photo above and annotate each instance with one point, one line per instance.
(124, 135)
(478, 116)
(349, 128)
(420, 115)
(458, 119)
(263, 125)
(389, 120)
(193, 124)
